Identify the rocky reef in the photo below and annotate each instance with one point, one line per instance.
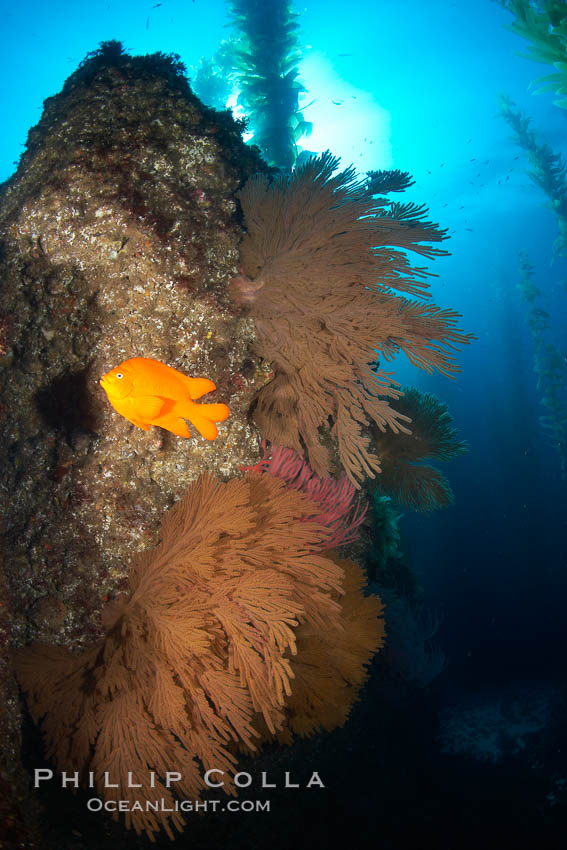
(118, 234)
(121, 237)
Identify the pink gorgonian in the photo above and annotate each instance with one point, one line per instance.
(335, 497)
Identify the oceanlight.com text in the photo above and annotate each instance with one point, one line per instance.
(95, 804)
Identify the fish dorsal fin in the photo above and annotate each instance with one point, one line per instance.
(198, 386)
(149, 407)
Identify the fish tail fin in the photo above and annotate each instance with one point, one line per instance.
(215, 412)
(205, 427)
(204, 416)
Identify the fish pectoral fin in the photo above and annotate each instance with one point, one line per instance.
(148, 407)
(198, 386)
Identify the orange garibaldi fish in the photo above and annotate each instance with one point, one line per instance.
(147, 392)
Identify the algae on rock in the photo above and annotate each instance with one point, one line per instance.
(118, 235)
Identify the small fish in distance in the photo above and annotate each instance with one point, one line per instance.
(147, 392)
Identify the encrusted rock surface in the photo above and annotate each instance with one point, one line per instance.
(118, 236)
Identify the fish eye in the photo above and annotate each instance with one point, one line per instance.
(119, 375)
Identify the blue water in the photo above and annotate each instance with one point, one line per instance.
(410, 85)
